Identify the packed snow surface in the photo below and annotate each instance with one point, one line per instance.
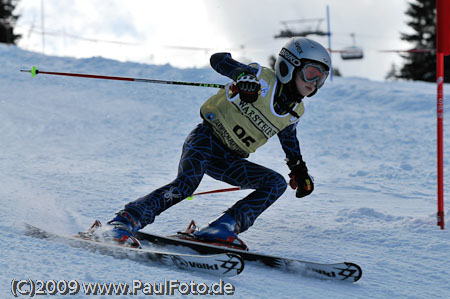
(73, 150)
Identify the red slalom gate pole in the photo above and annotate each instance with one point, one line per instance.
(34, 71)
(442, 49)
(440, 138)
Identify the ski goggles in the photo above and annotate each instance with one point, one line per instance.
(311, 72)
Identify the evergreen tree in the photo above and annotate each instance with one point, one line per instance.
(393, 73)
(8, 21)
(422, 65)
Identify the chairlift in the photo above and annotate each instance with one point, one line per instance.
(352, 52)
(289, 32)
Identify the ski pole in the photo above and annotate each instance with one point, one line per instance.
(34, 71)
(214, 191)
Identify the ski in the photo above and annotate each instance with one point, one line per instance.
(345, 271)
(225, 264)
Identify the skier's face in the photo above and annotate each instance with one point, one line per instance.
(304, 88)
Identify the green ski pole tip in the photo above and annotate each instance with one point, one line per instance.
(190, 197)
(33, 71)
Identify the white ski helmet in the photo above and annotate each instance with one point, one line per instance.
(294, 51)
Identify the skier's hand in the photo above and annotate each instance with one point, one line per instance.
(300, 179)
(248, 87)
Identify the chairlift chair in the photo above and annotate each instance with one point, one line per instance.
(352, 52)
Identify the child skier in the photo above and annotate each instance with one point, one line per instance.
(257, 105)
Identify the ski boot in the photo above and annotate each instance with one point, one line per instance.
(120, 229)
(221, 231)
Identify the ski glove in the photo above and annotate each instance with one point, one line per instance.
(248, 87)
(300, 179)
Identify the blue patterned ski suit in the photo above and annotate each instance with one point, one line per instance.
(203, 153)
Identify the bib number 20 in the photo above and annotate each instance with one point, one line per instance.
(242, 135)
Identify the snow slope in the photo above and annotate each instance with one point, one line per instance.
(73, 150)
